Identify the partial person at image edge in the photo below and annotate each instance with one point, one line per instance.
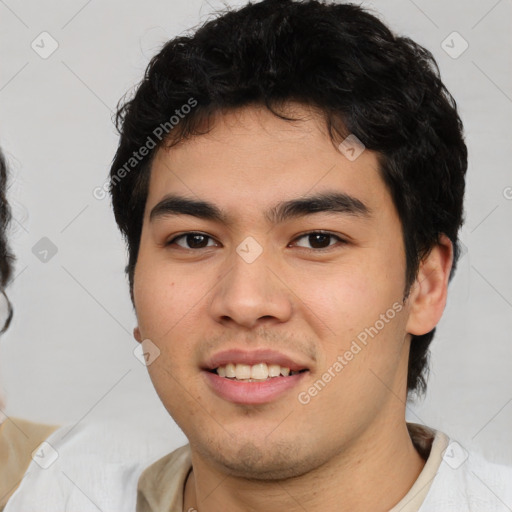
(18, 437)
(38, 461)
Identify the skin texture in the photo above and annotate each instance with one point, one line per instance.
(348, 448)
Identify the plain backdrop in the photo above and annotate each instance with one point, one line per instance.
(68, 356)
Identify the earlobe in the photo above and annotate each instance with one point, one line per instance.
(429, 291)
(136, 334)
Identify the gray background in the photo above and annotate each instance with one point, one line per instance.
(68, 356)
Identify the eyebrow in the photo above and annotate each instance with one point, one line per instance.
(326, 202)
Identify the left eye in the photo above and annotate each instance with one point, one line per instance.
(319, 240)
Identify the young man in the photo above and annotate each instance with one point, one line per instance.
(290, 182)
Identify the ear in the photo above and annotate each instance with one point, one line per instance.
(137, 335)
(427, 298)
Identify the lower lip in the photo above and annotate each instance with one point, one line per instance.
(252, 393)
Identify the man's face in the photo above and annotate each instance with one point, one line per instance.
(254, 288)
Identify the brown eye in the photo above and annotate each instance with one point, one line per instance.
(193, 240)
(319, 240)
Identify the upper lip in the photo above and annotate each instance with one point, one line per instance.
(238, 356)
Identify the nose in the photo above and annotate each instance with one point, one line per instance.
(252, 293)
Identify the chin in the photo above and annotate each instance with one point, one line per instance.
(268, 462)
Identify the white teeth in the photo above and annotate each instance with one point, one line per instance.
(243, 371)
(230, 370)
(260, 371)
(274, 370)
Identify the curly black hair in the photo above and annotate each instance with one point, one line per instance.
(6, 257)
(338, 58)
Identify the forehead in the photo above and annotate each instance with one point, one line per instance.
(250, 156)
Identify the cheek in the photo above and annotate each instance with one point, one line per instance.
(170, 306)
(163, 297)
(166, 305)
(346, 296)
(356, 304)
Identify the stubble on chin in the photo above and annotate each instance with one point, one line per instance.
(270, 462)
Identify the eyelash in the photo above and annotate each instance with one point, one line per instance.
(309, 233)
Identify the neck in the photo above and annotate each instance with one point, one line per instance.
(375, 473)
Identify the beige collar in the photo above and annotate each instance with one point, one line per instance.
(161, 485)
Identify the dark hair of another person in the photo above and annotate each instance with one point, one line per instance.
(337, 58)
(6, 257)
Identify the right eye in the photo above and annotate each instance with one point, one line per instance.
(193, 239)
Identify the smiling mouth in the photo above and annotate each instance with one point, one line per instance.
(253, 373)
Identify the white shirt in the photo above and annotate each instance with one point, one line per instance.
(99, 465)
(89, 468)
